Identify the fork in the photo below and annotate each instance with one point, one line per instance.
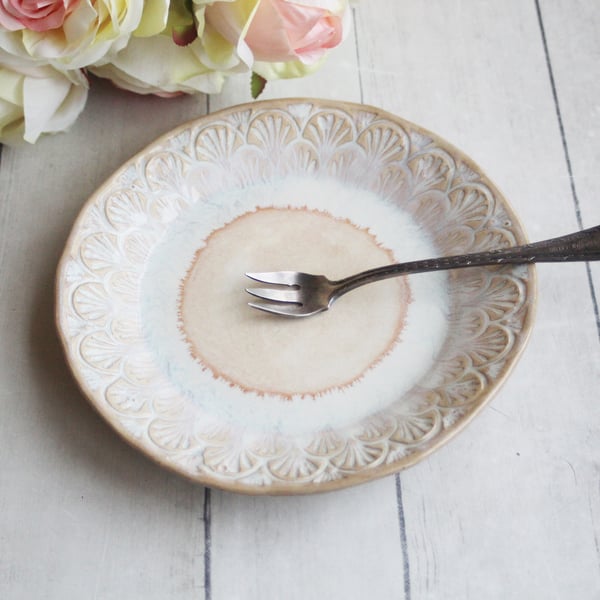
(299, 294)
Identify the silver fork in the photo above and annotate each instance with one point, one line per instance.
(301, 294)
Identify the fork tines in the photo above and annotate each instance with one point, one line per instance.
(282, 299)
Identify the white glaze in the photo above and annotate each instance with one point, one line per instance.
(406, 362)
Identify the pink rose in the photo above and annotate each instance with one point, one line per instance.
(280, 30)
(37, 15)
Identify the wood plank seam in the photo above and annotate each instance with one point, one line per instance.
(207, 543)
(403, 538)
(357, 49)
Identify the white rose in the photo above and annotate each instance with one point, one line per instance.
(35, 100)
(158, 66)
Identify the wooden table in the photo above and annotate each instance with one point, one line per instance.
(508, 509)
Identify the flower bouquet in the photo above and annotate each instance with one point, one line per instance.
(48, 48)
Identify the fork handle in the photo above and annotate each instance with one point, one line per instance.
(580, 246)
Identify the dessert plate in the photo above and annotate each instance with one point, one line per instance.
(153, 316)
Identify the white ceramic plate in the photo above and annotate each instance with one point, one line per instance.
(152, 311)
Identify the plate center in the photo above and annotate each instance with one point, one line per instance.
(269, 354)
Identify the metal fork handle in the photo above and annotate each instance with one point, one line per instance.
(580, 246)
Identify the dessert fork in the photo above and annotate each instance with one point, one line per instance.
(297, 294)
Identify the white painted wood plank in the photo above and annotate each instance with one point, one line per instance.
(574, 50)
(342, 545)
(507, 509)
(338, 545)
(83, 514)
(574, 53)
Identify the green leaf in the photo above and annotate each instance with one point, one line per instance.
(257, 85)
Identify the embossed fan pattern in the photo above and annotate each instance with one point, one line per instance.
(101, 273)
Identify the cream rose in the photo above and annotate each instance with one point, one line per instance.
(158, 66)
(37, 15)
(91, 33)
(36, 100)
(276, 38)
(164, 64)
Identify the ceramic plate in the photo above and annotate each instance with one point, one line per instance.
(154, 318)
